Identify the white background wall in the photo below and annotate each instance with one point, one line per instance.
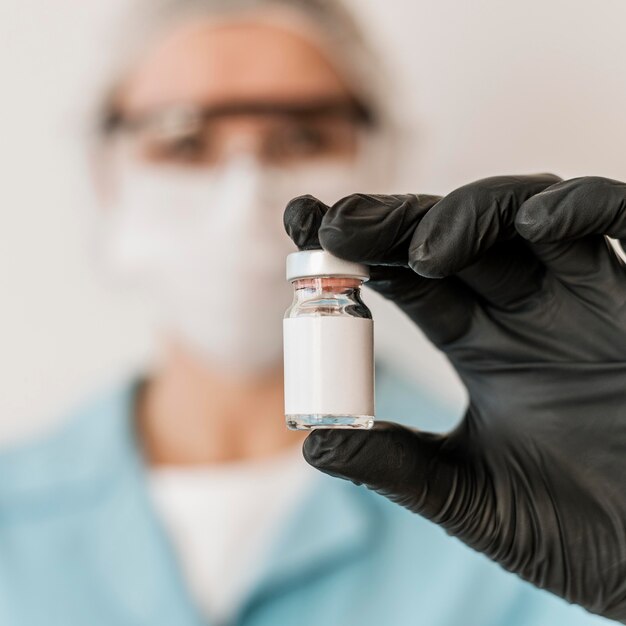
(493, 87)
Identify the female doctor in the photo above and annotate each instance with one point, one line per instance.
(179, 497)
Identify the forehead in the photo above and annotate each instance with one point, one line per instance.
(212, 62)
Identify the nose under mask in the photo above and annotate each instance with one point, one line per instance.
(209, 249)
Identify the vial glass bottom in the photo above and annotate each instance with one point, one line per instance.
(320, 420)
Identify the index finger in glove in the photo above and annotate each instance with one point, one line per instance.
(302, 220)
(374, 229)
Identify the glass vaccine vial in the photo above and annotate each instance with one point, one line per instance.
(329, 344)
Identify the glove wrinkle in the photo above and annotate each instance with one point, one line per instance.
(373, 229)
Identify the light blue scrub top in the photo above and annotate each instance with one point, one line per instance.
(80, 545)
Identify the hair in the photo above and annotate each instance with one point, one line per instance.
(332, 25)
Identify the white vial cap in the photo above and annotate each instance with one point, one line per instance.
(314, 263)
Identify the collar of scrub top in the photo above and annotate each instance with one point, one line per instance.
(177, 117)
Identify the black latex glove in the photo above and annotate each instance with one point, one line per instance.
(529, 304)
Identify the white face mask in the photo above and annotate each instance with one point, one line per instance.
(210, 248)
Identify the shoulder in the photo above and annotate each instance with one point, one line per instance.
(78, 451)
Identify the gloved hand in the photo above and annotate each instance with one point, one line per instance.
(513, 279)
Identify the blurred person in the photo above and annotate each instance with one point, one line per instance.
(180, 497)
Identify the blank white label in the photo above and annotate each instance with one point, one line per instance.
(329, 365)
